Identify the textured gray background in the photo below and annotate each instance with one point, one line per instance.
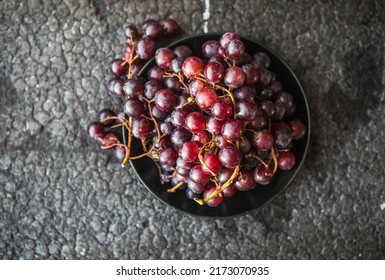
(62, 198)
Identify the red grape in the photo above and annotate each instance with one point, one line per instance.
(216, 200)
(214, 72)
(195, 86)
(263, 175)
(222, 109)
(192, 66)
(96, 130)
(213, 125)
(286, 160)
(262, 140)
(118, 67)
(201, 137)
(206, 97)
(245, 180)
(202, 118)
(164, 57)
(195, 122)
(198, 175)
(210, 49)
(165, 100)
(145, 48)
(189, 151)
(213, 163)
(134, 107)
(141, 128)
(168, 156)
(234, 77)
(227, 38)
(230, 156)
(298, 129)
(170, 27)
(232, 129)
(235, 49)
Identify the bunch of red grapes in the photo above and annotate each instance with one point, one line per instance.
(214, 122)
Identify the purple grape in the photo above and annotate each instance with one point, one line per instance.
(234, 77)
(176, 64)
(170, 27)
(214, 72)
(145, 48)
(166, 128)
(164, 57)
(261, 59)
(267, 107)
(151, 87)
(155, 73)
(245, 180)
(134, 107)
(180, 136)
(96, 130)
(298, 128)
(286, 160)
(216, 200)
(131, 32)
(235, 49)
(133, 88)
(168, 156)
(105, 113)
(178, 117)
(262, 140)
(152, 29)
(227, 38)
(165, 100)
(198, 175)
(244, 92)
(232, 129)
(282, 135)
(183, 51)
(118, 67)
(246, 110)
(115, 87)
(210, 49)
(230, 156)
(222, 109)
(195, 187)
(263, 175)
(252, 74)
(141, 128)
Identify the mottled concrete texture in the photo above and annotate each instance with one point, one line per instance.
(63, 198)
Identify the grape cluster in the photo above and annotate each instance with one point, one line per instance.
(214, 122)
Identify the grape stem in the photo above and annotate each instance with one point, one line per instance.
(274, 156)
(180, 78)
(258, 158)
(219, 190)
(223, 89)
(128, 147)
(132, 58)
(200, 156)
(174, 188)
(226, 59)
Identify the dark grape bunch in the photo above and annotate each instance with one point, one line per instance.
(214, 123)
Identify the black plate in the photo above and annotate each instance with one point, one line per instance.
(242, 202)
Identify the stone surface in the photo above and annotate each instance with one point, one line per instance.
(63, 198)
